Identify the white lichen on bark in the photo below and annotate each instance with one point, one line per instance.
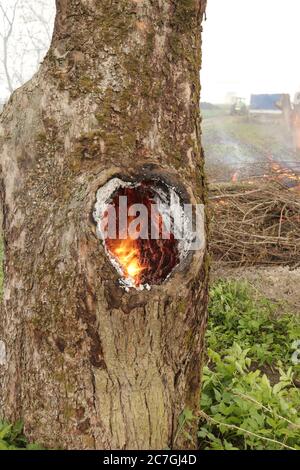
(2, 353)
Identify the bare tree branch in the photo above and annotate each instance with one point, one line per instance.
(5, 39)
(25, 36)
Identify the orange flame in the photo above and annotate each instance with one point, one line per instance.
(127, 254)
(144, 260)
(235, 177)
(284, 173)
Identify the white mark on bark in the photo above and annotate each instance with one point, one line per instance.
(190, 157)
(2, 353)
(112, 76)
(186, 93)
(153, 140)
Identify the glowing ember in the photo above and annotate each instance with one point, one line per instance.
(235, 177)
(285, 175)
(129, 260)
(127, 254)
(142, 260)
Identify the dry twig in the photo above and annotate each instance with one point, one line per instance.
(255, 226)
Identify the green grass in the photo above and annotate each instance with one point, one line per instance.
(211, 113)
(257, 137)
(267, 137)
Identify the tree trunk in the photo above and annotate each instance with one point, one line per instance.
(87, 364)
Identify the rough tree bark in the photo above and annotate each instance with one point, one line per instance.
(88, 365)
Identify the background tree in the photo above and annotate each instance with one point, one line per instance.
(8, 18)
(25, 35)
(88, 365)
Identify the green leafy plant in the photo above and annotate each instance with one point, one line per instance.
(12, 438)
(250, 395)
(238, 314)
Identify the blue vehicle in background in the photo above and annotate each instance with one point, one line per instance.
(269, 103)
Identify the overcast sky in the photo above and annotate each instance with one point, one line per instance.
(250, 46)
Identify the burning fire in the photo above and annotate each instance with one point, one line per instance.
(128, 256)
(285, 175)
(143, 260)
(235, 177)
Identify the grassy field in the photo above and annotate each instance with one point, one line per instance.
(244, 144)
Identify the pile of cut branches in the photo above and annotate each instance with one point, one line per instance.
(255, 223)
